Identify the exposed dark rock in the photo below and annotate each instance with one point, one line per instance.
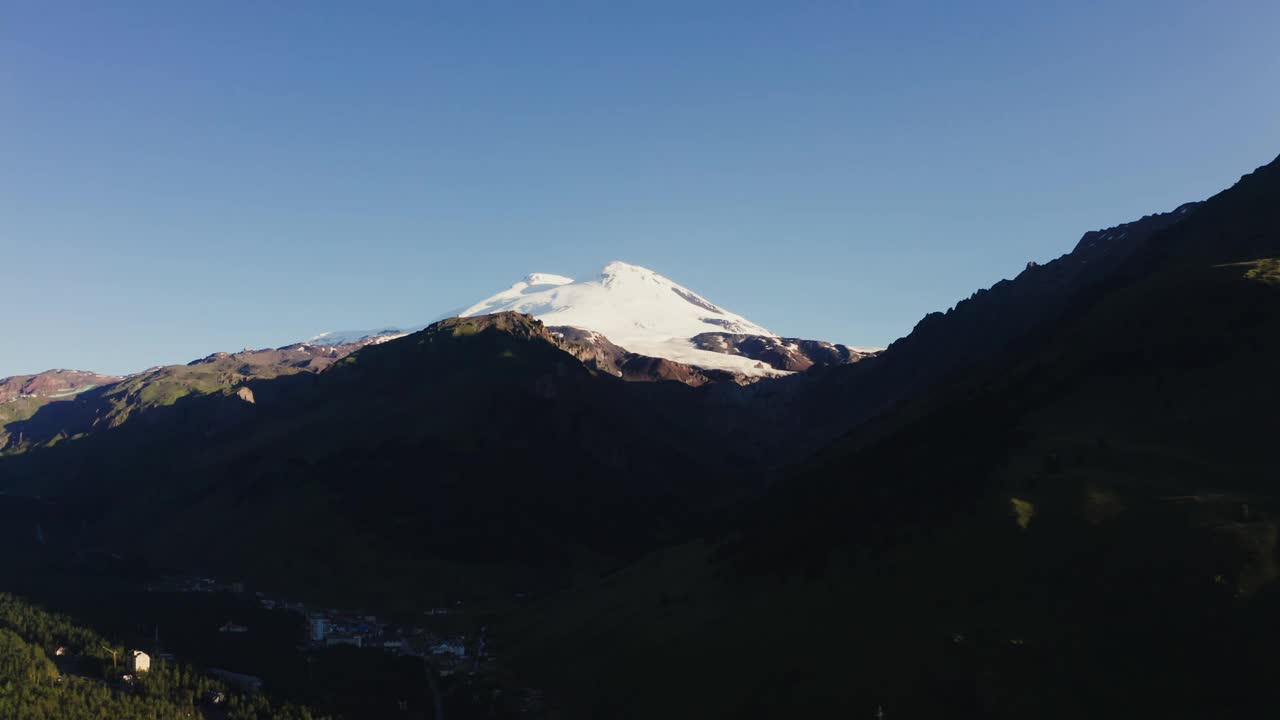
(599, 353)
(791, 354)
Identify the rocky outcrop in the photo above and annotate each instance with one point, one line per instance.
(599, 353)
(789, 354)
(594, 350)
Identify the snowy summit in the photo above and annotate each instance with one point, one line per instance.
(633, 307)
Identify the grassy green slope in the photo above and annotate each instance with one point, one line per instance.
(34, 422)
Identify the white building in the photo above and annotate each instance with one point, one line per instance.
(139, 662)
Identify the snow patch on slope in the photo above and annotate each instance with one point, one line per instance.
(374, 337)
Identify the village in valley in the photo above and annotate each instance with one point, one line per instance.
(447, 650)
(449, 642)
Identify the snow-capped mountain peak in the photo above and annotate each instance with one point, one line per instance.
(626, 301)
(632, 306)
(640, 311)
(532, 285)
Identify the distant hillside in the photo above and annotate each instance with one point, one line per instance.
(50, 384)
(22, 395)
(44, 409)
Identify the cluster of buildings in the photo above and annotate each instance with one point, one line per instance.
(194, 584)
(448, 653)
(331, 628)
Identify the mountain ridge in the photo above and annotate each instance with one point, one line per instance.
(34, 420)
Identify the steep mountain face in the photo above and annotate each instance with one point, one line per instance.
(61, 404)
(1083, 523)
(597, 352)
(635, 311)
(833, 400)
(991, 318)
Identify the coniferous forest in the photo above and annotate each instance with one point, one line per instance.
(84, 682)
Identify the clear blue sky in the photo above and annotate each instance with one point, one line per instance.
(179, 178)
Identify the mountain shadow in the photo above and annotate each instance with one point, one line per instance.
(1083, 523)
(478, 442)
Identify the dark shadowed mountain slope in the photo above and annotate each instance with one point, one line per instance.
(1169, 359)
(833, 398)
(476, 442)
(1083, 524)
(88, 402)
